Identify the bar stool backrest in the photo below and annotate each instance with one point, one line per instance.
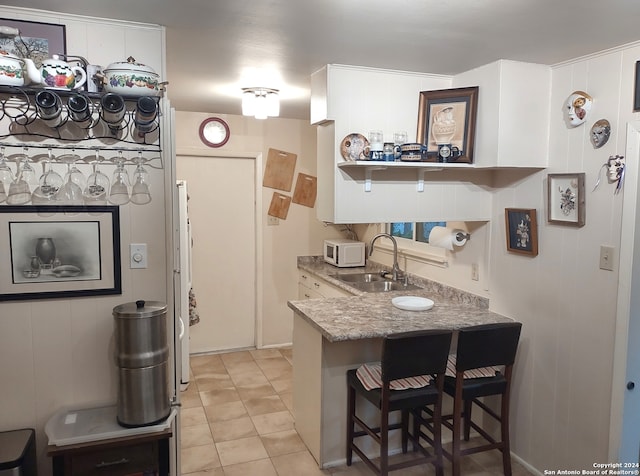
(487, 345)
(407, 354)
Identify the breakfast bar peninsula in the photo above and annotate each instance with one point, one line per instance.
(332, 335)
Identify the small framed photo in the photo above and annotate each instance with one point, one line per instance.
(566, 199)
(37, 41)
(522, 230)
(49, 252)
(447, 124)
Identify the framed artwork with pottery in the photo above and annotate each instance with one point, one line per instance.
(50, 252)
(447, 124)
(566, 199)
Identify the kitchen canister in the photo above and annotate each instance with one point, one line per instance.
(142, 352)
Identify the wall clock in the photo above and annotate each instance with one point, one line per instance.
(214, 132)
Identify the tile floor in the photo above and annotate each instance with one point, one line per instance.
(237, 421)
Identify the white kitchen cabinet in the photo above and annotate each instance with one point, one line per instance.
(311, 286)
(349, 99)
(512, 124)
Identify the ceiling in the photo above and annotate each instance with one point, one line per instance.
(216, 47)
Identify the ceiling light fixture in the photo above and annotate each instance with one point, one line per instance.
(260, 102)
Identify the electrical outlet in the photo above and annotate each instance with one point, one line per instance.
(475, 272)
(271, 221)
(607, 257)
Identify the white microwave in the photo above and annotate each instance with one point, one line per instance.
(344, 253)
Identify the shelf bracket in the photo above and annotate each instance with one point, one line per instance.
(421, 172)
(367, 176)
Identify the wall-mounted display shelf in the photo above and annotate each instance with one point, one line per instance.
(420, 167)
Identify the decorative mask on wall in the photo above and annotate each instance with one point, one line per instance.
(615, 172)
(578, 107)
(600, 132)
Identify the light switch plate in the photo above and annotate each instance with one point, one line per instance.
(607, 257)
(138, 255)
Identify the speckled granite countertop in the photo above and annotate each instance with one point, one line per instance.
(368, 315)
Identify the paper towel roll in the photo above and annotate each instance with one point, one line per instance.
(447, 238)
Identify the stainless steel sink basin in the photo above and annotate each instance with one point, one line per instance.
(373, 283)
(384, 286)
(358, 277)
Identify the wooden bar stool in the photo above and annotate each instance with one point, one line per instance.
(482, 366)
(409, 360)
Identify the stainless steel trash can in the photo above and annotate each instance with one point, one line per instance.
(18, 453)
(142, 353)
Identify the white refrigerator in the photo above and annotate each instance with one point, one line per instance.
(184, 246)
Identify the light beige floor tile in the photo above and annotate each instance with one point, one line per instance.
(235, 368)
(214, 381)
(196, 435)
(275, 369)
(207, 472)
(225, 411)
(190, 399)
(234, 357)
(356, 469)
(199, 458)
(261, 467)
(205, 363)
(247, 392)
(192, 416)
(297, 464)
(282, 443)
(287, 353)
(221, 395)
(232, 429)
(281, 385)
(265, 353)
(241, 450)
(287, 399)
(251, 377)
(273, 422)
(262, 405)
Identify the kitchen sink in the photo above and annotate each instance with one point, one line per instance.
(373, 283)
(358, 277)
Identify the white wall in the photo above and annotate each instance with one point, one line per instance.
(301, 234)
(57, 353)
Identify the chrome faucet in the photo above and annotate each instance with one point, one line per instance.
(395, 271)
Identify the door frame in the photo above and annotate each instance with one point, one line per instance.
(623, 421)
(257, 169)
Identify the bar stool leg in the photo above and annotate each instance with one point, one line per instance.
(351, 408)
(457, 413)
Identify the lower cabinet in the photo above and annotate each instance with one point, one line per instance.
(311, 286)
(141, 455)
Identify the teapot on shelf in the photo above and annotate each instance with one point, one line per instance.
(58, 74)
(54, 73)
(16, 71)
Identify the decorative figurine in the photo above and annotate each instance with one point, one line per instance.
(600, 132)
(578, 106)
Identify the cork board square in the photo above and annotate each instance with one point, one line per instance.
(305, 191)
(279, 206)
(278, 172)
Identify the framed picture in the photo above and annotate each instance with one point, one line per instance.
(636, 89)
(447, 124)
(522, 230)
(566, 199)
(38, 41)
(51, 252)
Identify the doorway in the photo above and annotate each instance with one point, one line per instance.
(624, 440)
(222, 211)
